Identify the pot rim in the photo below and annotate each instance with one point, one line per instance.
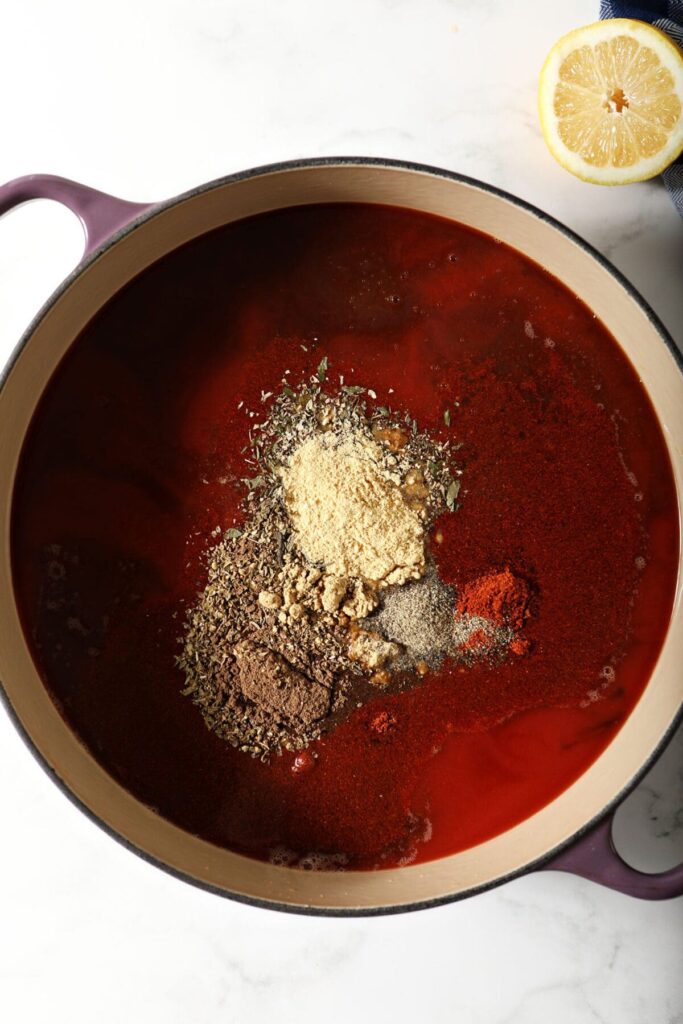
(335, 161)
(293, 165)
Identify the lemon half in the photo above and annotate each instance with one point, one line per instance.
(611, 101)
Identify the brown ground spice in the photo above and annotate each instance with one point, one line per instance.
(270, 682)
(229, 634)
(268, 653)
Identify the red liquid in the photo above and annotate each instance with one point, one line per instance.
(130, 464)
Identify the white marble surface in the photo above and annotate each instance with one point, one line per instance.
(145, 98)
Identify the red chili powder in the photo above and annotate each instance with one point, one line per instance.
(476, 641)
(499, 596)
(520, 646)
(383, 723)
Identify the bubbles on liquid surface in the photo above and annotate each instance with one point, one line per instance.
(407, 858)
(323, 861)
(283, 857)
(56, 570)
(640, 563)
(420, 827)
(422, 831)
(607, 674)
(302, 763)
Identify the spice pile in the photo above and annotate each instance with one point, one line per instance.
(329, 589)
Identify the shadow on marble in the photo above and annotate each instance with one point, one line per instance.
(648, 827)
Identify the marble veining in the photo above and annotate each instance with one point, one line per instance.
(145, 100)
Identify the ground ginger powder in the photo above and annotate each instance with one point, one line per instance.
(349, 514)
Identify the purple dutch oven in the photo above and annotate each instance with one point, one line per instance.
(572, 833)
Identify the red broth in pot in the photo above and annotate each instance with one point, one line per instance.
(133, 458)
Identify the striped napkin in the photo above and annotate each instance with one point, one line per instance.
(666, 15)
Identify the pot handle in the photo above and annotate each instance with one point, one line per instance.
(100, 214)
(594, 856)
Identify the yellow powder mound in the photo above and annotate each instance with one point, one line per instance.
(348, 514)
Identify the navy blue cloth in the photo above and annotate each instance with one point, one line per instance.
(666, 15)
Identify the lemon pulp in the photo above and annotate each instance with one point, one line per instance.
(610, 99)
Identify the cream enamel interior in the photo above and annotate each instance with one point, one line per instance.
(50, 339)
